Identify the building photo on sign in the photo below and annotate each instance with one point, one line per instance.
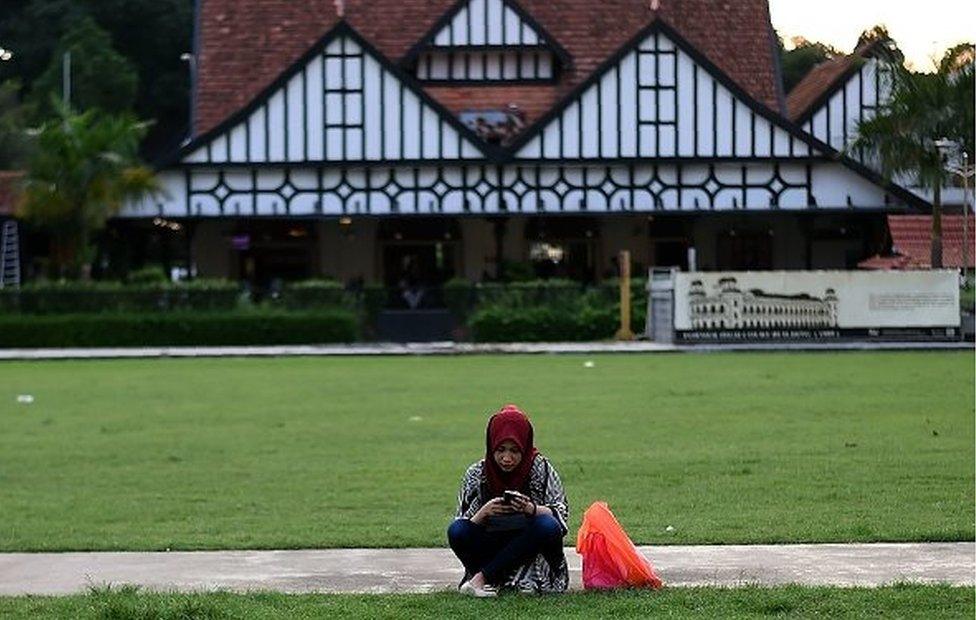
(778, 305)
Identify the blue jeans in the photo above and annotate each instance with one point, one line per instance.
(497, 554)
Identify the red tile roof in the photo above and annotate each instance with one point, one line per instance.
(821, 80)
(245, 45)
(911, 241)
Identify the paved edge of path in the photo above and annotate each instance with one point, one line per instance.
(382, 571)
(460, 348)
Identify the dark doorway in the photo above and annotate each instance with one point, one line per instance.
(418, 256)
(426, 264)
(745, 250)
(272, 252)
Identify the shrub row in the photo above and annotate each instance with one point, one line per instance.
(178, 329)
(519, 311)
(541, 324)
(463, 297)
(314, 294)
(593, 315)
(85, 297)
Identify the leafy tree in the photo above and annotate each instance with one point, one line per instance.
(32, 29)
(879, 34)
(799, 61)
(100, 77)
(151, 34)
(84, 169)
(924, 108)
(14, 140)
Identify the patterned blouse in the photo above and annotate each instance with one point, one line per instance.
(545, 489)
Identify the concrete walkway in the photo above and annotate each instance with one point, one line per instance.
(461, 348)
(427, 570)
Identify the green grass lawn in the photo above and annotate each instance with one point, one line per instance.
(336, 452)
(929, 602)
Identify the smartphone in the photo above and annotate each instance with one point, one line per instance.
(511, 495)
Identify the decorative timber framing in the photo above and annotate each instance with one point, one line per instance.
(485, 42)
(514, 189)
(853, 97)
(342, 101)
(787, 169)
(657, 102)
(819, 150)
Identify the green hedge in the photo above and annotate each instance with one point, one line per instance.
(177, 329)
(516, 311)
(464, 298)
(91, 297)
(593, 316)
(314, 294)
(542, 324)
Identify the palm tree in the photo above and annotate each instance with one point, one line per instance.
(924, 109)
(85, 167)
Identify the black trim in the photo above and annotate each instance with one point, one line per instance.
(660, 26)
(339, 30)
(427, 40)
(491, 188)
(744, 213)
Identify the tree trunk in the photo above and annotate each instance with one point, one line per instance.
(937, 227)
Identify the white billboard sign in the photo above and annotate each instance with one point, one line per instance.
(816, 305)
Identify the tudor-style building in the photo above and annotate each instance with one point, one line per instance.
(420, 140)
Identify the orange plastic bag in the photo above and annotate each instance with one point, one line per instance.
(610, 559)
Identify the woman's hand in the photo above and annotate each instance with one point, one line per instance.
(493, 508)
(524, 504)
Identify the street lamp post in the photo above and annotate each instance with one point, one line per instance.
(965, 171)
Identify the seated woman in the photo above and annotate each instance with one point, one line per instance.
(512, 514)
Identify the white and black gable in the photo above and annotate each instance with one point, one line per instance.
(712, 146)
(341, 102)
(486, 41)
(854, 98)
(657, 128)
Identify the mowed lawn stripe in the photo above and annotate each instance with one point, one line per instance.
(368, 452)
(902, 601)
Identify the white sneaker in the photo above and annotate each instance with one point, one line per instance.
(468, 589)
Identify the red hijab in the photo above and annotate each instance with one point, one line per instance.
(509, 423)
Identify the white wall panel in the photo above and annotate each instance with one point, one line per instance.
(341, 106)
(670, 105)
(487, 22)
